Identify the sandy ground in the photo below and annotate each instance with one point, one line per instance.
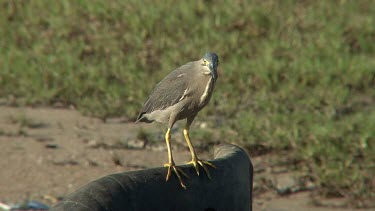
(46, 153)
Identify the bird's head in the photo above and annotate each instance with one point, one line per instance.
(211, 60)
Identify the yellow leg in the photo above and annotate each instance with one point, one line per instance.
(171, 165)
(194, 158)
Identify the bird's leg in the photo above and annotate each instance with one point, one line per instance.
(171, 165)
(194, 158)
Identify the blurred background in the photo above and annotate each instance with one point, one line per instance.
(296, 78)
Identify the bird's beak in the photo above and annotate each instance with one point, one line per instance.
(212, 69)
(211, 66)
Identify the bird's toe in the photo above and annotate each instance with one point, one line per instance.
(196, 163)
(177, 171)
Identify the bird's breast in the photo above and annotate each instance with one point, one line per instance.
(208, 87)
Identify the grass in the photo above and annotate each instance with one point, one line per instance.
(294, 75)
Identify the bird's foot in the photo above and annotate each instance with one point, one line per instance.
(177, 170)
(196, 163)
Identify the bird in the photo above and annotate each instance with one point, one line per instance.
(181, 95)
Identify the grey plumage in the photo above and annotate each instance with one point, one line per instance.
(163, 96)
(183, 89)
(181, 95)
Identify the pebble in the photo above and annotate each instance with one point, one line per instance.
(286, 184)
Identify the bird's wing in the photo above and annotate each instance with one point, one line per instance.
(169, 91)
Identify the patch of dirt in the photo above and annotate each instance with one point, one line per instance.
(47, 153)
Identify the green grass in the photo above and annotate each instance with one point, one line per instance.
(294, 75)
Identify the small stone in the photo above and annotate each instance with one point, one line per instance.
(52, 146)
(309, 185)
(92, 143)
(285, 184)
(203, 125)
(136, 144)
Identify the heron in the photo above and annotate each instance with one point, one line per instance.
(181, 95)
